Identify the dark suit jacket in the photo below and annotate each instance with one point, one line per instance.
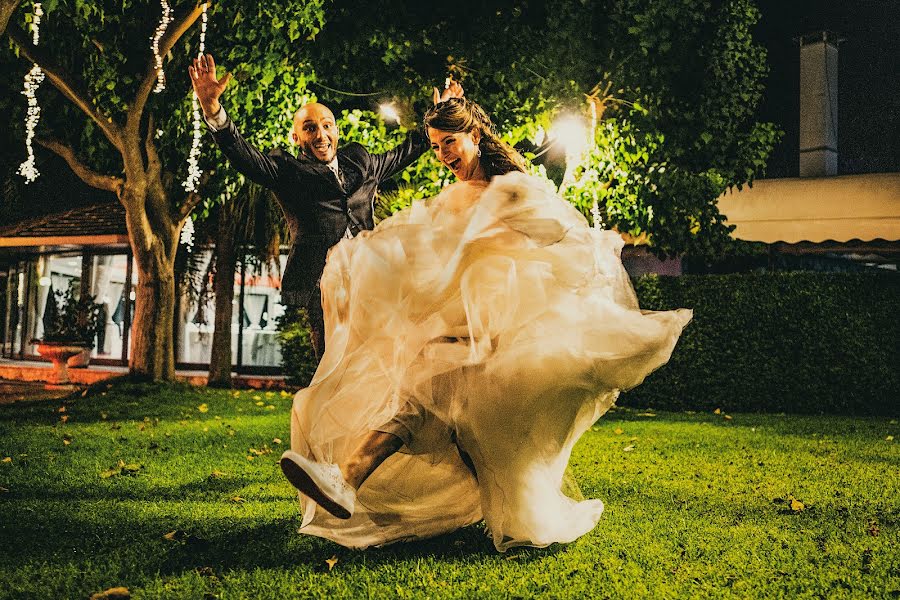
(317, 208)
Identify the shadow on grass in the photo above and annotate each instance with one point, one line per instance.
(46, 534)
(123, 401)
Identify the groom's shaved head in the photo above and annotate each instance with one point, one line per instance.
(312, 108)
(315, 131)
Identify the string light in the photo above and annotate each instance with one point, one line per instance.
(33, 80)
(595, 214)
(164, 21)
(193, 179)
(595, 207)
(187, 234)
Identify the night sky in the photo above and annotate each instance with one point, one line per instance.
(868, 80)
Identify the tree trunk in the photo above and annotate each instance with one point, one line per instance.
(154, 240)
(152, 354)
(223, 283)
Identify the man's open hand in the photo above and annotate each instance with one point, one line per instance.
(206, 86)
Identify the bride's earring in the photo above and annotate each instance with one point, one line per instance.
(478, 151)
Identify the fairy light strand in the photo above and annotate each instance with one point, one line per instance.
(187, 234)
(33, 80)
(164, 21)
(595, 206)
(194, 171)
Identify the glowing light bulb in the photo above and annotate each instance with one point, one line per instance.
(389, 113)
(571, 132)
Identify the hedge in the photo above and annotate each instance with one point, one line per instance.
(794, 342)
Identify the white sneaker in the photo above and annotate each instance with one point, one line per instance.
(322, 482)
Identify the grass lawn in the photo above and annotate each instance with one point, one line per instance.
(697, 505)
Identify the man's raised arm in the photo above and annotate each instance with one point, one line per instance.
(395, 160)
(240, 153)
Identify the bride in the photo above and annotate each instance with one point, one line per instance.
(472, 339)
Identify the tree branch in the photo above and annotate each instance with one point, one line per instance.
(178, 28)
(154, 165)
(7, 8)
(65, 84)
(87, 175)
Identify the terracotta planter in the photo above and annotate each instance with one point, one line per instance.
(80, 360)
(59, 353)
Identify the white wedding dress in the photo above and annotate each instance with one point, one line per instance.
(498, 312)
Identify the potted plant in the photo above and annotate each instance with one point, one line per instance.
(70, 328)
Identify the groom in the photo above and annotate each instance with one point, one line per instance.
(326, 193)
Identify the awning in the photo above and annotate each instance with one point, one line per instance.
(848, 207)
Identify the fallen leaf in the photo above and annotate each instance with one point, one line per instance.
(889, 438)
(3, 490)
(618, 431)
(628, 448)
(237, 499)
(276, 440)
(727, 417)
(873, 529)
(647, 414)
(796, 505)
(61, 409)
(203, 408)
(718, 411)
(121, 468)
(331, 562)
(66, 442)
(115, 593)
(64, 418)
(8, 459)
(172, 535)
(217, 474)
(104, 416)
(260, 403)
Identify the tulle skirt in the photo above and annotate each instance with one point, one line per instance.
(508, 326)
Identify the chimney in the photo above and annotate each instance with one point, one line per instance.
(819, 104)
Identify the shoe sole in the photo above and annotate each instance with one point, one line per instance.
(303, 482)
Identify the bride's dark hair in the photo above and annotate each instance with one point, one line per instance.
(461, 115)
